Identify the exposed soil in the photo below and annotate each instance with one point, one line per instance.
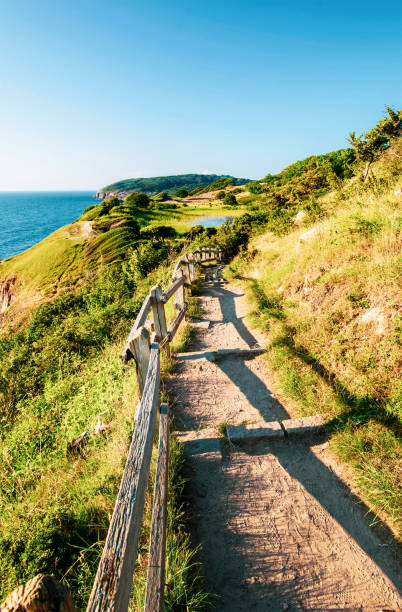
(80, 230)
(277, 527)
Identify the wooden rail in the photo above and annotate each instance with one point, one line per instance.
(113, 582)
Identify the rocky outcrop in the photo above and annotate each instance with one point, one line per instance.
(104, 195)
(7, 292)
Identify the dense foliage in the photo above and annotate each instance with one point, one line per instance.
(137, 200)
(229, 200)
(181, 193)
(156, 184)
(221, 183)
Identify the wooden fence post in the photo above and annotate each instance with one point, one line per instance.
(186, 270)
(191, 266)
(140, 347)
(179, 303)
(40, 593)
(158, 309)
(154, 596)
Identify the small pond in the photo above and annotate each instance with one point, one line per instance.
(210, 221)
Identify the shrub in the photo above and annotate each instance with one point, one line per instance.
(181, 193)
(161, 231)
(369, 147)
(255, 187)
(163, 205)
(220, 195)
(229, 200)
(89, 208)
(161, 197)
(146, 258)
(137, 200)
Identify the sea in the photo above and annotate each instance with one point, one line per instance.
(26, 217)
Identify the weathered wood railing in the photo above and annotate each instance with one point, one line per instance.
(112, 587)
(113, 582)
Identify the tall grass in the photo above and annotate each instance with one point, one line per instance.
(329, 305)
(66, 372)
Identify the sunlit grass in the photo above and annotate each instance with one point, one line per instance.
(328, 304)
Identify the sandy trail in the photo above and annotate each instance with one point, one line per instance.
(277, 528)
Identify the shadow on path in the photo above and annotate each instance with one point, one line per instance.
(315, 567)
(254, 389)
(228, 308)
(256, 549)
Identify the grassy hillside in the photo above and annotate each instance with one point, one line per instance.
(317, 248)
(59, 374)
(105, 233)
(74, 297)
(320, 260)
(170, 184)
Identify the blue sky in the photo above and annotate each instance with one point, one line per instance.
(93, 92)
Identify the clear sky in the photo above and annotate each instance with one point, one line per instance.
(94, 91)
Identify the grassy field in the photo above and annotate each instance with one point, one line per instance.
(183, 218)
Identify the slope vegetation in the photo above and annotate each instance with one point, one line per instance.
(170, 184)
(320, 259)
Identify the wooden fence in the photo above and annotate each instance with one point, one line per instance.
(113, 582)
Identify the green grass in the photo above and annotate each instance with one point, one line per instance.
(55, 508)
(181, 219)
(185, 588)
(310, 298)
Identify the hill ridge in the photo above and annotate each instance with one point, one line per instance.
(170, 183)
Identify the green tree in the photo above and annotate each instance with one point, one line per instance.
(181, 193)
(107, 205)
(229, 200)
(146, 257)
(368, 147)
(220, 195)
(255, 187)
(137, 200)
(161, 197)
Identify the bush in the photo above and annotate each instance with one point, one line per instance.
(146, 258)
(196, 230)
(163, 205)
(181, 193)
(220, 195)
(230, 200)
(137, 200)
(99, 210)
(161, 231)
(161, 197)
(89, 208)
(255, 187)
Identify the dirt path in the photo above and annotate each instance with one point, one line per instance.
(278, 529)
